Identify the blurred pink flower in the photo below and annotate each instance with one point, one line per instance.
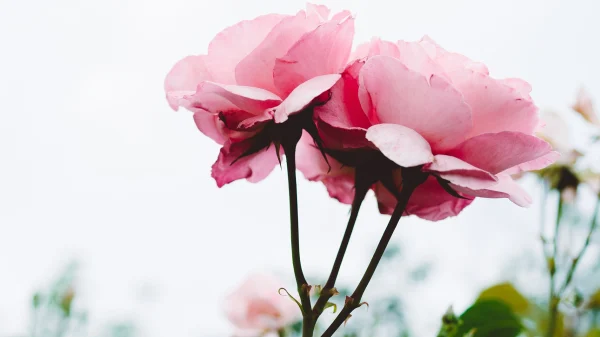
(418, 104)
(585, 107)
(257, 73)
(256, 307)
(556, 132)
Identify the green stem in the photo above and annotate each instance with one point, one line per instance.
(302, 285)
(328, 290)
(586, 244)
(354, 301)
(554, 296)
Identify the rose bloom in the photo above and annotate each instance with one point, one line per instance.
(257, 73)
(411, 104)
(256, 307)
(585, 107)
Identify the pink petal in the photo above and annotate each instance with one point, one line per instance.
(522, 87)
(338, 180)
(183, 79)
(320, 10)
(429, 201)
(341, 121)
(338, 138)
(460, 173)
(496, 152)
(254, 167)
(234, 43)
(249, 99)
(256, 69)
(496, 106)
(536, 164)
(309, 159)
(505, 188)
(431, 107)
(449, 61)
(303, 95)
(341, 188)
(376, 47)
(416, 58)
(210, 125)
(341, 16)
(402, 145)
(322, 51)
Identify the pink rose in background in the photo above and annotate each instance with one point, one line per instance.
(585, 107)
(418, 104)
(255, 74)
(257, 308)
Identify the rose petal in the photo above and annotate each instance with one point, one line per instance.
(416, 58)
(249, 99)
(254, 167)
(183, 79)
(400, 144)
(429, 201)
(449, 61)
(496, 152)
(303, 95)
(341, 122)
(536, 164)
(402, 96)
(338, 180)
(322, 51)
(505, 188)
(460, 173)
(210, 125)
(320, 10)
(375, 47)
(256, 69)
(234, 43)
(341, 188)
(496, 106)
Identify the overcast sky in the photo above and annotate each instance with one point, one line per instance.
(95, 166)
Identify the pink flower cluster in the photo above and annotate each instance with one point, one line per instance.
(377, 109)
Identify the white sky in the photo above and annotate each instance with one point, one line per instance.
(94, 165)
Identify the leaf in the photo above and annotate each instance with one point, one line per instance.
(489, 318)
(329, 305)
(292, 297)
(508, 294)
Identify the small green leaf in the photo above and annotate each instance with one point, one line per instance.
(329, 305)
(292, 297)
(489, 318)
(508, 294)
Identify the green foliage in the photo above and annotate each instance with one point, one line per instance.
(508, 294)
(489, 318)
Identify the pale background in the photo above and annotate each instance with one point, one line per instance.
(95, 166)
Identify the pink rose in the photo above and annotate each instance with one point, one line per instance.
(411, 104)
(257, 74)
(256, 307)
(585, 107)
